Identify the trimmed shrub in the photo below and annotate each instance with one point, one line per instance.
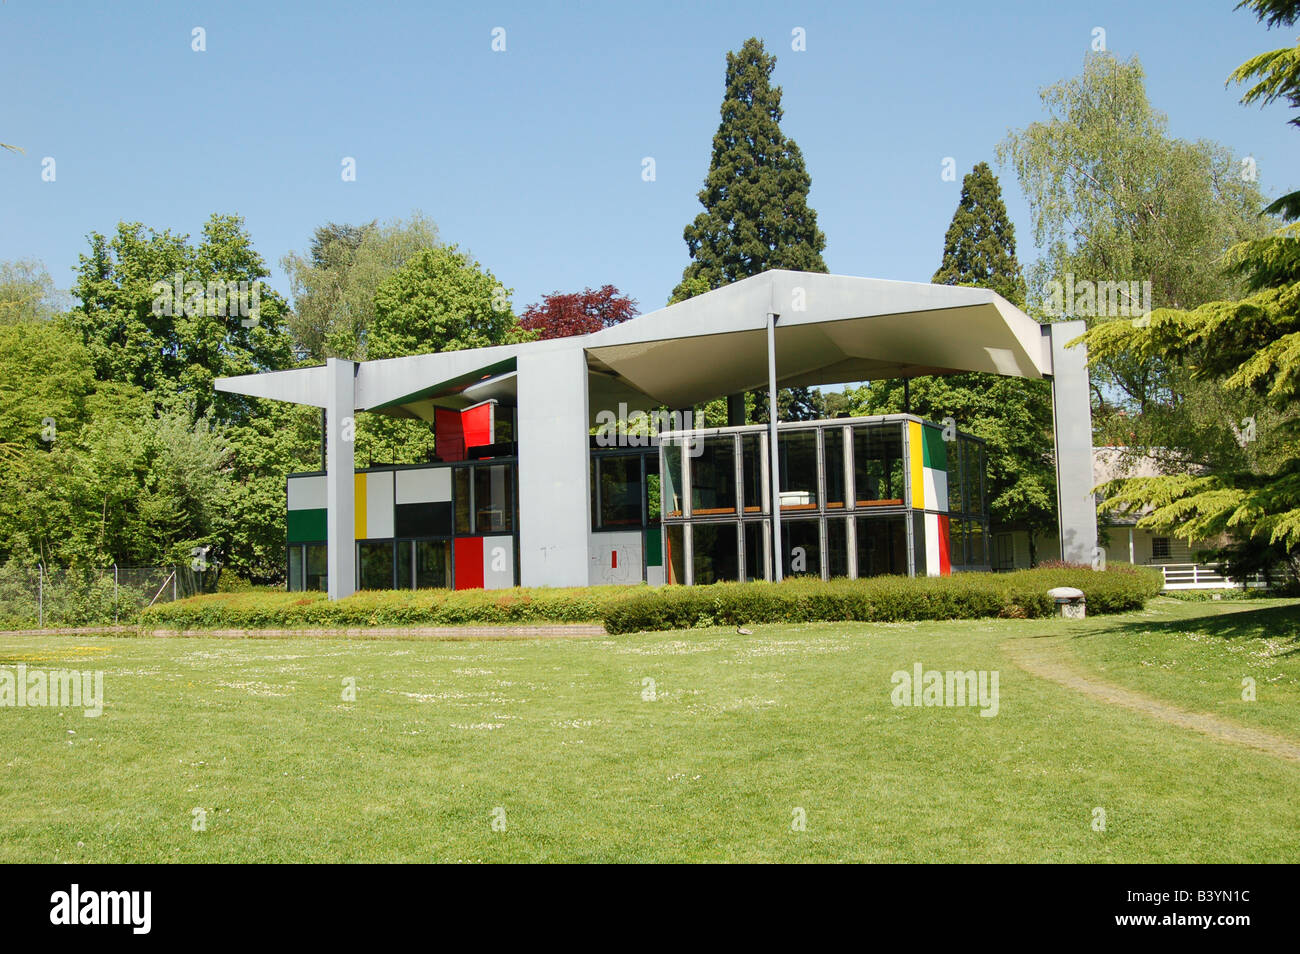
(626, 609)
(887, 599)
(280, 610)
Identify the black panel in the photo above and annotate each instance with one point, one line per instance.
(423, 519)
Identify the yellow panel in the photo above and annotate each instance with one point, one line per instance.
(359, 506)
(915, 452)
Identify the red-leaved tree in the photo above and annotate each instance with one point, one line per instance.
(578, 313)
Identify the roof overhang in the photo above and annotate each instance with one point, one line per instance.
(832, 329)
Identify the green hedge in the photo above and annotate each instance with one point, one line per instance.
(384, 608)
(880, 599)
(625, 609)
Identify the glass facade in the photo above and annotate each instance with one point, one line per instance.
(858, 497)
(432, 529)
(627, 497)
(967, 521)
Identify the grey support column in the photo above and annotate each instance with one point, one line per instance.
(1072, 429)
(340, 470)
(774, 456)
(554, 462)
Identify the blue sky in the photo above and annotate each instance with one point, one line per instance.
(531, 158)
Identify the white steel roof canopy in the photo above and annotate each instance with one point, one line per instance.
(833, 329)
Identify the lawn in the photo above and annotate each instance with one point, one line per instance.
(565, 743)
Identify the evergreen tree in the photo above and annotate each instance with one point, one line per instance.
(756, 214)
(1014, 415)
(755, 197)
(980, 247)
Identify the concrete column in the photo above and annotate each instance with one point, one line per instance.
(340, 468)
(773, 448)
(554, 466)
(1072, 429)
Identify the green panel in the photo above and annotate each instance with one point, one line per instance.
(654, 547)
(306, 526)
(935, 449)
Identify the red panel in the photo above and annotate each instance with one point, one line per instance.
(449, 435)
(469, 563)
(476, 425)
(454, 431)
(945, 561)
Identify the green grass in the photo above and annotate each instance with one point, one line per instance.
(744, 729)
(1198, 661)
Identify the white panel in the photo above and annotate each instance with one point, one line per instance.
(307, 493)
(427, 485)
(379, 505)
(615, 558)
(931, 544)
(498, 563)
(936, 489)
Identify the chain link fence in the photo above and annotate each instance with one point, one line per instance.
(39, 596)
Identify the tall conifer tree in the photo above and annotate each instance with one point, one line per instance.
(756, 214)
(1013, 415)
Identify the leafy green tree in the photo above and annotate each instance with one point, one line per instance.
(1249, 347)
(45, 379)
(27, 293)
(249, 531)
(334, 285)
(1115, 198)
(440, 300)
(138, 331)
(92, 474)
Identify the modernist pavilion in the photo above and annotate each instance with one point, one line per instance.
(522, 493)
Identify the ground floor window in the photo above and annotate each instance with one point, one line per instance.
(430, 563)
(756, 547)
(375, 566)
(801, 545)
(715, 557)
(881, 545)
(307, 567)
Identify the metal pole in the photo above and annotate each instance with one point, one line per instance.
(40, 597)
(115, 619)
(774, 484)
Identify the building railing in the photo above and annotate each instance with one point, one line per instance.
(1197, 576)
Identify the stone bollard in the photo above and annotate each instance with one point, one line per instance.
(1070, 602)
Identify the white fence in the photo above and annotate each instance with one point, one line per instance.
(1196, 576)
(43, 596)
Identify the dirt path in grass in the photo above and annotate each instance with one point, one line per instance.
(1044, 661)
